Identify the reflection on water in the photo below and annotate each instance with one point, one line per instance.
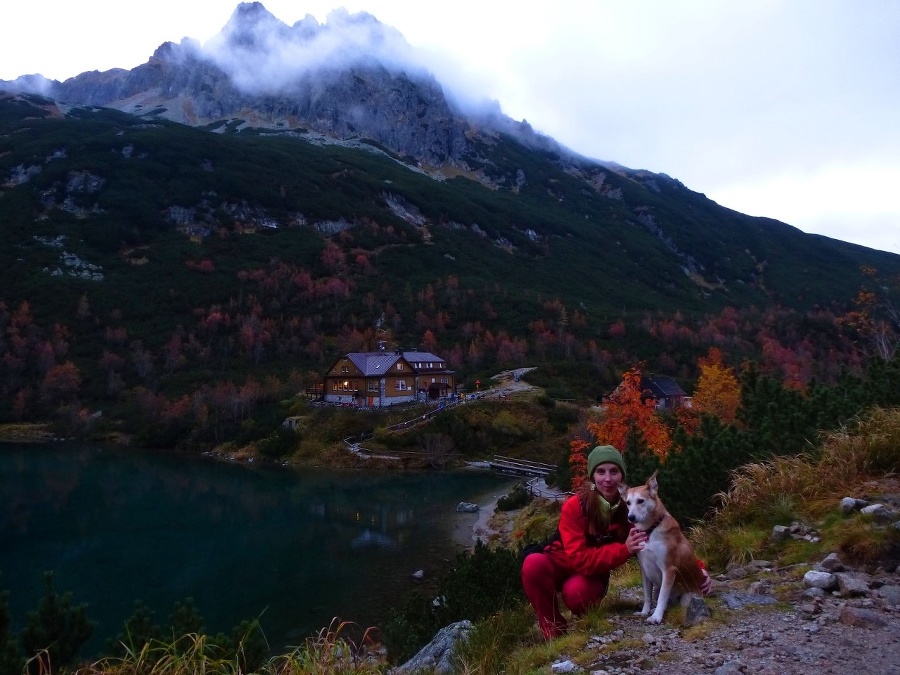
(294, 548)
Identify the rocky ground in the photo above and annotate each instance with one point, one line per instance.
(823, 617)
(765, 621)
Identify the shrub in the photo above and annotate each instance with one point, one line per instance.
(479, 584)
(516, 499)
(56, 631)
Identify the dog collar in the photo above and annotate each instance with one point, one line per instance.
(653, 526)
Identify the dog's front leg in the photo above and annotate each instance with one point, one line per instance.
(647, 581)
(650, 590)
(665, 590)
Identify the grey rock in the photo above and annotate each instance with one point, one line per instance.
(824, 580)
(780, 533)
(890, 593)
(729, 669)
(831, 563)
(759, 564)
(563, 667)
(437, 656)
(736, 600)
(849, 504)
(849, 585)
(696, 612)
(877, 510)
(864, 618)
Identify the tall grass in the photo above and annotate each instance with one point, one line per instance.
(804, 487)
(330, 652)
(192, 653)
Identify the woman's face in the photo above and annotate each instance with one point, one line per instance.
(607, 478)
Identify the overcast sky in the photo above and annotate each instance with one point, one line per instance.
(782, 108)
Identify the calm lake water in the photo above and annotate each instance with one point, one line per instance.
(292, 548)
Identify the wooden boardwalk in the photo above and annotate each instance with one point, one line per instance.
(520, 467)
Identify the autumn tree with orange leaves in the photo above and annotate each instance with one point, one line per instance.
(625, 414)
(578, 449)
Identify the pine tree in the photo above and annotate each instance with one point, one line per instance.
(55, 631)
(11, 661)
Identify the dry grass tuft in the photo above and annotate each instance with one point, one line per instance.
(189, 654)
(330, 653)
(536, 521)
(803, 488)
(861, 540)
(488, 647)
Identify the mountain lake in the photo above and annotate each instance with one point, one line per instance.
(293, 548)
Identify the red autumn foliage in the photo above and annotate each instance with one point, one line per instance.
(625, 412)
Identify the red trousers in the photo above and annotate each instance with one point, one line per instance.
(544, 575)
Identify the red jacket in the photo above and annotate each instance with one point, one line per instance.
(584, 553)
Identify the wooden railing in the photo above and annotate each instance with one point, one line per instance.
(520, 467)
(538, 488)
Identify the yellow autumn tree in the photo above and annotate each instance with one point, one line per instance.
(718, 391)
(626, 412)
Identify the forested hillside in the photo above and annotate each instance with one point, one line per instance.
(175, 285)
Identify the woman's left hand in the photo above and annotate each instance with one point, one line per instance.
(706, 586)
(636, 540)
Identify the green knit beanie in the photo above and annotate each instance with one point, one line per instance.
(601, 455)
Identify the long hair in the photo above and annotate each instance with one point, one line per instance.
(597, 518)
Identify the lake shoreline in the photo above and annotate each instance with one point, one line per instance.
(470, 527)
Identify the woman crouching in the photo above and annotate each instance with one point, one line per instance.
(594, 538)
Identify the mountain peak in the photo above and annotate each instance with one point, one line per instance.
(250, 26)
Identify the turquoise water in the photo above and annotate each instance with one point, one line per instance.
(294, 548)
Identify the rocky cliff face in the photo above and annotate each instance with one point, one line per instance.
(346, 80)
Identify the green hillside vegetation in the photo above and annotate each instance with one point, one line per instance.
(175, 287)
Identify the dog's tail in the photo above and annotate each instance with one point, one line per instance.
(690, 576)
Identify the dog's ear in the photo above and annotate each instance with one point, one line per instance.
(652, 485)
(622, 489)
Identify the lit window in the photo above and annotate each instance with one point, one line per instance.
(399, 366)
(401, 385)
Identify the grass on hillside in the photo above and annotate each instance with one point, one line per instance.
(861, 461)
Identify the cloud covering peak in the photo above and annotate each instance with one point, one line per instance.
(262, 54)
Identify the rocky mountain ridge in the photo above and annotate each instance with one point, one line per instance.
(260, 73)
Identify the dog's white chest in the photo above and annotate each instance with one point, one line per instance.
(652, 558)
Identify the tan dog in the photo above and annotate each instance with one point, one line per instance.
(667, 559)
